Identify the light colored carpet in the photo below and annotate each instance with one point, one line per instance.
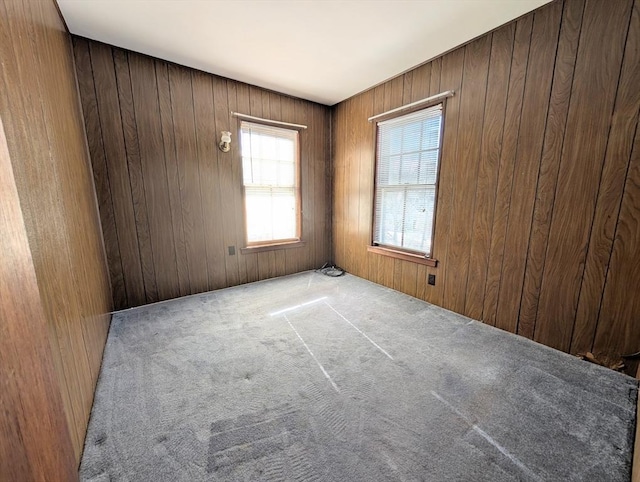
(308, 377)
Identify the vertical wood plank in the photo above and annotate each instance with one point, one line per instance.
(366, 132)
(465, 166)
(125, 96)
(225, 163)
(550, 162)
(352, 186)
(592, 102)
(618, 329)
(29, 385)
(451, 71)
(147, 112)
(206, 177)
(493, 126)
(173, 176)
(116, 161)
(506, 168)
(46, 145)
(623, 126)
(86, 86)
(188, 176)
(535, 103)
(337, 181)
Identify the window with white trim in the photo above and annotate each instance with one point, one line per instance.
(407, 158)
(271, 188)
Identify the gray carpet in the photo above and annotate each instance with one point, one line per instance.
(308, 377)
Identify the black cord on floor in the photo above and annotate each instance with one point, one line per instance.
(332, 270)
(632, 355)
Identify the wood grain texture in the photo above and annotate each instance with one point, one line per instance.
(450, 77)
(42, 118)
(537, 212)
(549, 163)
(600, 53)
(489, 159)
(172, 201)
(535, 103)
(465, 166)
(136, 177)
(106, 92)
(28, 384)
(618, 328)
(616, 164)
(519, 62)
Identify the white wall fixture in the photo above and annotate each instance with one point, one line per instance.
(225, 141)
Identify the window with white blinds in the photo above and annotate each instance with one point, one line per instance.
(270, 180)
(408, 152)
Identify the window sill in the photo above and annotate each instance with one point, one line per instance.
(414, 258)
(272, 247)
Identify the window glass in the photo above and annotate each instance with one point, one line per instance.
(271, 191)
(408, 152)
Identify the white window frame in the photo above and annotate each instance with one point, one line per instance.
(274, 243)
(391, 249)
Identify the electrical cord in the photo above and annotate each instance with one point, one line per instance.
(332, 270)
(632, 355)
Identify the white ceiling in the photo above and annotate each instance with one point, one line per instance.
(321, 50)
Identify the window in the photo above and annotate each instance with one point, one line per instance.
(270, 172)
(408, 153)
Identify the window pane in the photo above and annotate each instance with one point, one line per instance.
(269, 176)
(391, 217)
(428, 167)
(418, 219)
(271, 214)
(406, 175)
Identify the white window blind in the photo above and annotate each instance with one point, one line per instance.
(407, 168)
(269, 171)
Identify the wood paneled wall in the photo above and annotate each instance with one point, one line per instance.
(538, 216)
(32, 417)
(170, 200)
(40, 110)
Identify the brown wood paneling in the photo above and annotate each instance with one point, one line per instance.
(505, 170)
(228, 177)
(173, 177)
(338, 182)
(86, 86)
(106, 92)
(618, 329)
(616, 164)
(136, 176)
(536, 222)
(450, 78)
(549, 163)
(600, 53)
(205, 175)
(28, 384)
(42, 118)
(157, 125)
(147, 113)
(465, 166)
(535, 103)
(489, 160)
